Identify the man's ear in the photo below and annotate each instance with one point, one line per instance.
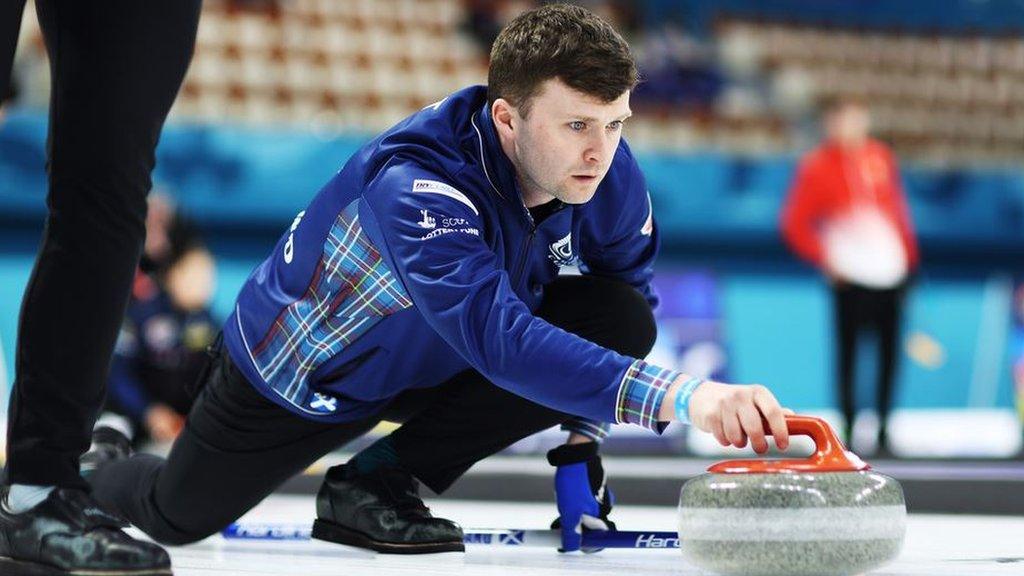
(505, 117)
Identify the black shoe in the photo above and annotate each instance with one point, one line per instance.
(69, 534)
(883, 452)
(882, 449)
(381, 511)
(847, 437)
(108, 445)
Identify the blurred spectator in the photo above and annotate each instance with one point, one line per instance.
(846, 214)
(162, 344)
(29, 84)
(6, 98)
(678, 70)
(269, 7)
(485, 18)
(166, 233)
(482, 22)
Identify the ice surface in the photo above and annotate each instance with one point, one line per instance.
(935, 545)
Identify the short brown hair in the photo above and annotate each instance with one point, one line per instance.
(559, 41)
(836, 102)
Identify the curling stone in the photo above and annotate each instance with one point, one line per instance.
(828, 514)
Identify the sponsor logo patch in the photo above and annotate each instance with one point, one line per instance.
(652, 541)
(435, 187)
(428, 221)
(449, 225)
(442, 231)
(560, 252)
(289, 246)
(323, 403)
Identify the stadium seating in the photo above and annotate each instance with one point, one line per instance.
(950, 99)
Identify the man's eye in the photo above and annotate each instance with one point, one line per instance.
(616, 125)
(578, 126)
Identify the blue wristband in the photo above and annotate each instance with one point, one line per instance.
(683, 399)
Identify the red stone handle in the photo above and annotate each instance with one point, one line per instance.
(829, 453)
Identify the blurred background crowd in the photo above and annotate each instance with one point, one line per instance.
(740, 103)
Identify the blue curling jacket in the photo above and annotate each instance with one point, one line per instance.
(419, 260)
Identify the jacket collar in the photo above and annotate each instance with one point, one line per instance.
(496, 165)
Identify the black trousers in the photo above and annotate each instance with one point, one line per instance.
(115, 68)
(858, 309)
(237, 446)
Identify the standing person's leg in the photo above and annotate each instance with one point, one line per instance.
(846, 306)
(472, 418)
(116, 67)
(10, 24)
(236, 448)
(889, 310)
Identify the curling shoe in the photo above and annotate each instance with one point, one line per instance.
(381, 511)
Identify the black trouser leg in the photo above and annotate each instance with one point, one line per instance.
(848, 308)
(10, 24)
(471, 418)
(116, 66)
(889, 311)
(236, 448)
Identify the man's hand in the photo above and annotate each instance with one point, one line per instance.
(832, 275)
(584, 501)
(735, 413)
(163, 423)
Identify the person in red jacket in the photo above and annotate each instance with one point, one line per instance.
(846, 214)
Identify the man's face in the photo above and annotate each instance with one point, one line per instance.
(849, 124)
(564, 146)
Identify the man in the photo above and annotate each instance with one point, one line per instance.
(846, 214)
(161, 349)
(421, 285)
(116, 67)
(7, 96)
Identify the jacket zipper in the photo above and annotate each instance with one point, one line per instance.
(521, 266)
(526, 247)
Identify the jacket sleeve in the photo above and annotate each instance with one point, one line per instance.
(800, 216)
(904, 222)
(628, 253)
(432, 236)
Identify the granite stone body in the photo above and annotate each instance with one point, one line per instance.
(791, 523)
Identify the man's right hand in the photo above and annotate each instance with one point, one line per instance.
(832, 275)
(163, 423)
(735, 413)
